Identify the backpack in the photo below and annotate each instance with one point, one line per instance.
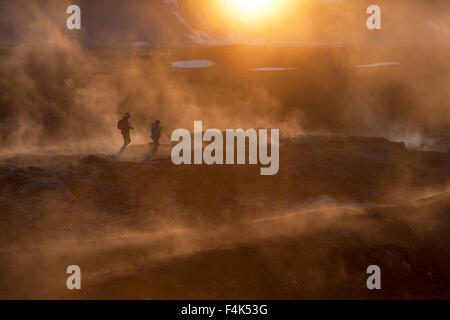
(121, 124)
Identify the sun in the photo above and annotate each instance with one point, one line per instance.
(251, 6)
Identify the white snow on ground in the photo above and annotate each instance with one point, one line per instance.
(203, 63)
(193, 64)
(373, 65)
(272, 69)
(379, 64)
(140, 44)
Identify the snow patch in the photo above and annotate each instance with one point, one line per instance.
(140, 44)
(193, 64)
(379, 64)
(272, 69)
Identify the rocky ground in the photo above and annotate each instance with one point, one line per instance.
(147, 229)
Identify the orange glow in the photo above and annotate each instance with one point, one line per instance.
(252, 6)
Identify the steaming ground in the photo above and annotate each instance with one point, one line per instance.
(140, 227)
(143, 228)
(67, 98)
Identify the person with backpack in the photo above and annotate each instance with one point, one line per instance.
(124, 126)
(155, 135)
(156, 132)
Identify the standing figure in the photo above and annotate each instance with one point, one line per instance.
(156, 132)
(125, 127)
(156, 135)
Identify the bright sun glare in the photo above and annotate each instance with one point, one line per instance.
(251, 6)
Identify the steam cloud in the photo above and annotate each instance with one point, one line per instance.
(64, 91)
(56, 92)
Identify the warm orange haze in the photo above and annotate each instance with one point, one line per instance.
(122, 158)
(252, 6)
